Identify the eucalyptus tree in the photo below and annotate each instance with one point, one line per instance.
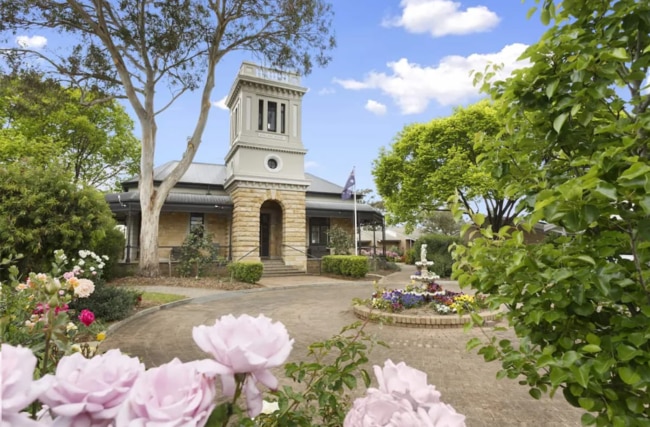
(139, 49)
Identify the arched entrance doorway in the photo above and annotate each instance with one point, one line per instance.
(270, 230)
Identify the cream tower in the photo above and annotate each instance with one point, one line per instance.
(265, 172)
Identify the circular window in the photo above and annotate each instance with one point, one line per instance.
(273, 163)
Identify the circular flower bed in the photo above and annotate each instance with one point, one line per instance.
(423, 304)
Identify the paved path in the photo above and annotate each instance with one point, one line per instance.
(315, 312)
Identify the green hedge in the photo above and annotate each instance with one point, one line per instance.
(438, 252)
(108, 303)
(346, 265)
(249, 272)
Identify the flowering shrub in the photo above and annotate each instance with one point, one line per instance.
(419, 294)
(115, 390)
(36, 312)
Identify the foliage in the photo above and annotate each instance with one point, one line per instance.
(45, 121)
(440, 222)
(578, 303)
(132, 50)
(438, 246)
(197, 252)
(340, 240)
(112, 247)
(41, 210)
(430, 162)
(327, 382)
(249, 272)
(109, 303)
(345, 265)
(410, 256)
(38, 313)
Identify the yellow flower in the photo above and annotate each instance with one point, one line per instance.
(73, 281)
(76, 348)
(101, 336)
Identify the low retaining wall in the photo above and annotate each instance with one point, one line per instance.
(420, 321)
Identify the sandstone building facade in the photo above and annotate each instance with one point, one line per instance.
(260, 204)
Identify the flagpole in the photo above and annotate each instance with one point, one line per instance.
(356, 234)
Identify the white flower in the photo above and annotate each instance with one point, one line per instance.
(105, 257)
(81, 262)
(269, 407)
(70, 327)
(84, 288)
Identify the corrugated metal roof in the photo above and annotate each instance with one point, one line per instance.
(210, 174)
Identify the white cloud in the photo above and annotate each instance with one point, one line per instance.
(33, 42)
(326, 91)
(221, 103)
(442, 18)
(413, 86)
(310, 164)
(375, 107)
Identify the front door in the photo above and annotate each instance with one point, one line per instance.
(265, 234)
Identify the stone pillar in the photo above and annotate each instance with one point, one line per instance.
(246, 223)
(295, 228)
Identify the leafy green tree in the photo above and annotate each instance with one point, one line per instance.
(340, 240)
(430, 162)
(442, 222)
(94, 141)
(43, 120)
(41, 210)
(135, 49)
(578, 303)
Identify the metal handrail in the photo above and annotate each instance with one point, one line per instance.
(248, 253)
(320, 262)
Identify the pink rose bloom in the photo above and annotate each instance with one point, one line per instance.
(86, 317)
(175, 394)
(68, 275)
(246, 345)
(84, 288)
(406, 382)
(442, 414)
(378, 409)
(17, 384)
(61, 308)
(91, 391)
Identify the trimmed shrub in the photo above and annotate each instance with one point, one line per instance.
(249, 272)
(409, 256)
(346, 265)
(438, 252)
(108, 303)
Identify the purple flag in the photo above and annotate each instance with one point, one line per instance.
(347, 190)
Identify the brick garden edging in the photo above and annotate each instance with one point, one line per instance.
(419, 321)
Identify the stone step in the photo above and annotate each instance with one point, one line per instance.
(275, 268)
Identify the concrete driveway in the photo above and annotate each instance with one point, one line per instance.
(315, 312)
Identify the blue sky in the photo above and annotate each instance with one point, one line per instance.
(397, 62)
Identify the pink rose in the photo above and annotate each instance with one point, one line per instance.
(91, 391)
(378, 409)
(61, 308)
(84, 288)
(246, 345)
(86, 317)
(442, 414)
(407, 382)
(403, 398)
(173, 394)
(18, 387)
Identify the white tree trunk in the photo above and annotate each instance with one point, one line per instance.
(149, 261)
